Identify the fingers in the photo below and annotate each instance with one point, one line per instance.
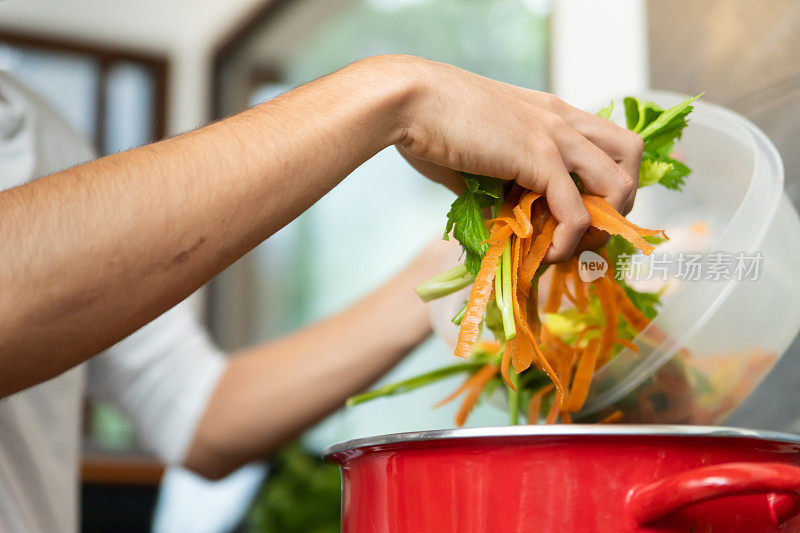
(599, 174)
(573, 219)
(622, 145)
(591, 240)
(606, 158)
(549, 173)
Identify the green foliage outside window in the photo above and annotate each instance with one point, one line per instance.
(300, 496)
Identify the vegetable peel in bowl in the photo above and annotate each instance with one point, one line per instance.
(546, 353)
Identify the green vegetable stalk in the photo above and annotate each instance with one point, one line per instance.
(460, 315)
(417, 381)
(445, 283)
(502, 293)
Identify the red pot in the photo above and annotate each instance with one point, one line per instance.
(571, 478)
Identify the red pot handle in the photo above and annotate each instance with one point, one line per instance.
(780, 482)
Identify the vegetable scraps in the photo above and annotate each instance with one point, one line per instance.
(545, 355)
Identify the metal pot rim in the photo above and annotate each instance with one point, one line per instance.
(591, 430)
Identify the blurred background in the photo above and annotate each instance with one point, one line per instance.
(127, 73)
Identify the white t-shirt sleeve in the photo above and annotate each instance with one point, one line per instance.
(162, 377)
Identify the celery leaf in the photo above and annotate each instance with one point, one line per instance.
(466, 221)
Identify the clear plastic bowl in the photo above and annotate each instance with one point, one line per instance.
(721, 337)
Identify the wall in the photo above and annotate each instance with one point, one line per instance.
(599, 50)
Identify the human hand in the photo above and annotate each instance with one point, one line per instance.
(458, 121)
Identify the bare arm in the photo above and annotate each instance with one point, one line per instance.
(92, 253)
(271, 393)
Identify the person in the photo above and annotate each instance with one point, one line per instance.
(95, 252)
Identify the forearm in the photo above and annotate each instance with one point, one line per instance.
(271, 393)
(83, 267)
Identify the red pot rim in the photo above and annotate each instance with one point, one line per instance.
(562, 430)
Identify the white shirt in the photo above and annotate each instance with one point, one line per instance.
(161, 376)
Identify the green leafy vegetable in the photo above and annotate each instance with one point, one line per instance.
(303, 494)
(675, 177)
(652, 171)
(631, 112)
(465, 219)
(617, 246)
(606, 111)
(646, 302)
(660, 130)
(639, 115)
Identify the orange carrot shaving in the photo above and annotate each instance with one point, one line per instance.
(630, 312)
(484, 375)
(524, 246)
(522, 353)
(545, 365)
(524, 207)
(555, 408)
(554, 296)
(519, 220)
(565, 374)
(608, 302)
(554, 342)
(478, 298)
(500, 233)
(469, 383)
(514, 346)
(536, 252)
(628, 344)
(516, 246)
(456, 393)
(579, 287)
(606, 218)
(525, 344)
(613, 418)
(522, 211)
(565, 285)
(490, 346)
(513, 224)
(526, 225)
(583, 377)
(584, 332)
(639, 321)
(535, 404)
(532, 308)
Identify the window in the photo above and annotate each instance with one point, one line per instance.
(115, 99)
